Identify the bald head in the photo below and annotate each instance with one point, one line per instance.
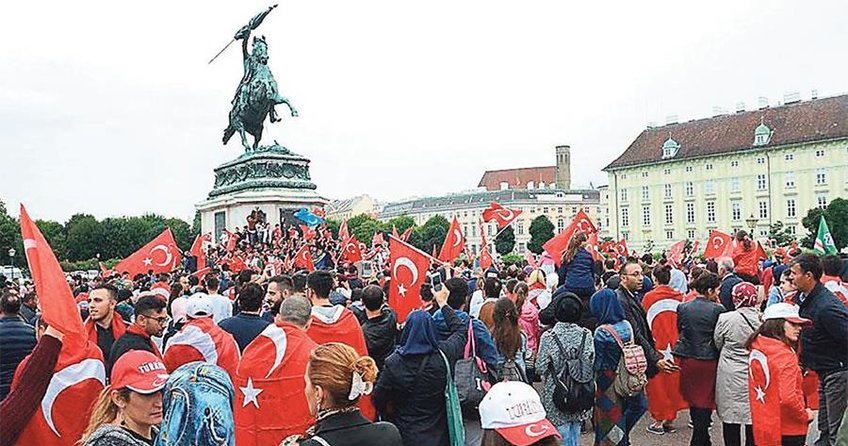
(296, 310)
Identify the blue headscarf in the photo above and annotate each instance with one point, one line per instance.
(419, 335)
(606, 308)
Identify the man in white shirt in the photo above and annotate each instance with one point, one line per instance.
(222, 307)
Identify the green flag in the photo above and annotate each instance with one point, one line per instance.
(824, 241)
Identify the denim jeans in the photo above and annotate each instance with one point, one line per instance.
(570, 433)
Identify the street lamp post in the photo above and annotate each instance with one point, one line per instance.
(752, 223)
(12, 263)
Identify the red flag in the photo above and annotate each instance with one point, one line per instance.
(621, 248)
(764, 391)
(592, 245)
(351, 250)
(675, 252)
(664, 398)
(202, 340)
(406, 234)
(409, 270)
(319, 212)
(556, 246)
(454, 243)
(308, 233)
(269, 381)
(160, 255)
(485, 256)
(104, 272)
(303, 259)
(344, 234)
(201, 273)
(500, 214)
(377, 239)
(531, 259)
(237, 264)
(394, 232)
(198, 249)
(717, 245)
(761, 253)
(695, 247)
(231, 241)
(434, 254)
(79, 375)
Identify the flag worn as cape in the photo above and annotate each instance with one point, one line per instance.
(664, 398)
(202, 340)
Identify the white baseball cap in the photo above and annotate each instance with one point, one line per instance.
(199, 305)
(515, 411)
(787, 311)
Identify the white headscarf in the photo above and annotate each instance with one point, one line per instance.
(678, 281)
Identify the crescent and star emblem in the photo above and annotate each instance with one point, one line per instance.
(405, 261)
(758, 356)
(661, 306)
(149, 260)
(506, 214)
(530, 432)
(67, 377)
(278, 337)
(457, 237)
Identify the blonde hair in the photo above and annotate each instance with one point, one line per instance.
(105, 411)
(331, 366)
(536, 276)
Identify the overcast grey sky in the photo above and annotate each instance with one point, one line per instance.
(110, 108)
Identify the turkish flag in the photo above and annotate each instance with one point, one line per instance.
(342, 326)
(717, 245)
(592, 245)
(104, 272)
(79, 374)
(269, 382)
(237, 264)
(454, 243)
(201, 273)
(556, 246)
(202, 340)
(764, 392)
(500, 214)
(675, 252)
(351, 250)
(377, 239)
(344, 234)
(664, 398)
(303, 259)
(695, 247)
(308, 233)
(231, 241)
(485, 256)
(406, 234)
(318, 211)
(409, 270)
(160, 255)
(394, 232)
(198, 249)
(621, 248)
(761, 253)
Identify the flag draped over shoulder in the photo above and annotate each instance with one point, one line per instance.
(764, 392)
(663, 390)
(80, 374)
(202, 340)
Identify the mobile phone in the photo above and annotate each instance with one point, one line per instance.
(434, 279)
(365, 268)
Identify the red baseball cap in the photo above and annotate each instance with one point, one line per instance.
(140, 371)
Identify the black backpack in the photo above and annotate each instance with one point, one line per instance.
(574, 387)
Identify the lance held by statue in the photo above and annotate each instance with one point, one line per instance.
(257, 93)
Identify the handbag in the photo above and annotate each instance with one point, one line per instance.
(453, 407)
(472, 378)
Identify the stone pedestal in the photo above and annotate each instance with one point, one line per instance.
(271, 178)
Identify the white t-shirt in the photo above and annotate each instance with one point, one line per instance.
(222, 307)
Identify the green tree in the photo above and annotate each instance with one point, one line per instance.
(780, 234)
(333, 226)
(182, 232)
(431, 233)
(84, 237)
(10, 237)
(56, 236)
(541, 230)
(836, 216)
(401, 223)
(505, 241)
(195, 225)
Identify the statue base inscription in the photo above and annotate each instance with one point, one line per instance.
(269, 178)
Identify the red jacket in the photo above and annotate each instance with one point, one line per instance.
(782, 401)
(746, 262)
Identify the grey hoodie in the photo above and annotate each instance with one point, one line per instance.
(111, 435)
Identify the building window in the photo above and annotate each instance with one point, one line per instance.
(625, 217)
(474, 230)
(669, 235)
(625, 236)
(624, 176)
(646, 193)
(821, 176)
(789, 157)
(669, 214)
(489, 229)
(521, 247)
(709, 187)
(790, 208)
(645, 174)
(690, 213)
(762, 134)
(734, 164)
(646, 216)
(734, 184)
(819, 153)
(690, 234)
(736, 211)
(519, 228)
(762, 206)
(711, 215)
(708, 166)
(545, 210)
(670, 148)
(623, 194)
(559, 210)
(688, 168)
(790, 179)
(667, 172)
(761, 181)
(821, 201)
(761, 160)
(791, 229)
(560, 225)
(465, 230)
(690, 189)
(667, 191)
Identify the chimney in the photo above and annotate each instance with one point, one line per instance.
(671, 119)
(791, 97)
(563, 167)
(740, 107)
(762, 102)
(815, 94)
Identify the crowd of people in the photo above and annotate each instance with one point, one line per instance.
(256, 350)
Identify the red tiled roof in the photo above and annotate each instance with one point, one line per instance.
(518, 178)
(816, 120)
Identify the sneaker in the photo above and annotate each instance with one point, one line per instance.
(669, 428)
(656, 428)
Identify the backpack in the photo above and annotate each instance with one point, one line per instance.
(510, 370)
(198, 407)
(472, 378)
(630, 378)
(574, 387)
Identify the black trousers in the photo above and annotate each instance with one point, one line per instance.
(700, 426)
(731, 434)
(793, 440)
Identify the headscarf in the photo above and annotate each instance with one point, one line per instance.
(678, 281)
(606, 307)
(419, 335)
(744, 295)
(568, 308)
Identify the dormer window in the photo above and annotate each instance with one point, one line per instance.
(670, 148)
(762, 135)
